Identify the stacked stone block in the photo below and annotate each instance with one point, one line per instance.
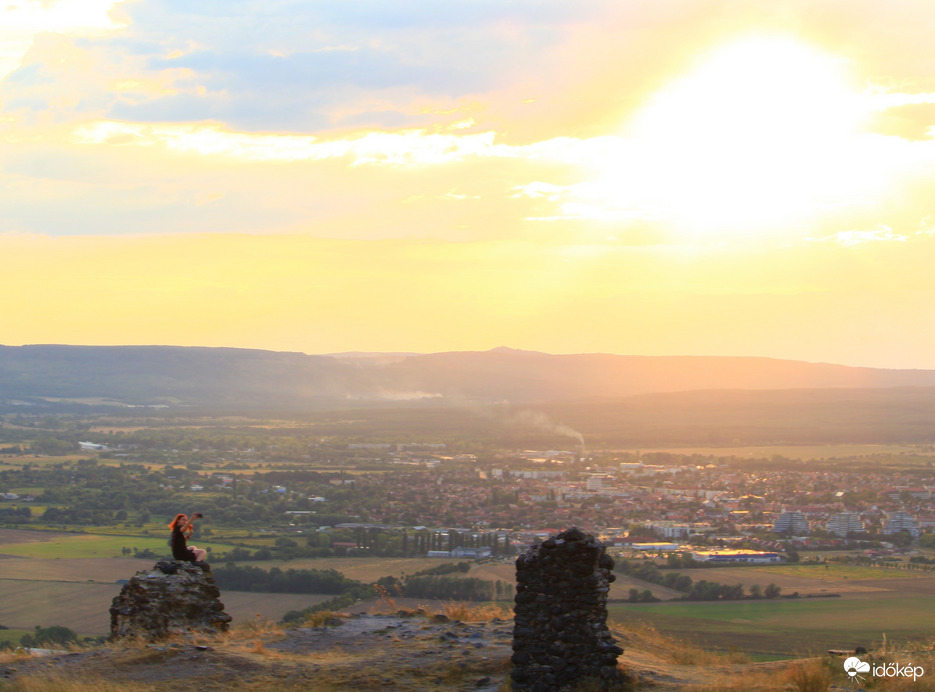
(560, 634)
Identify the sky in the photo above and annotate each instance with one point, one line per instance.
(651, 177)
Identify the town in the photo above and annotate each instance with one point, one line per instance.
(336, 497)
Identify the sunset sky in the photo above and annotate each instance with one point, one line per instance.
(655, 177)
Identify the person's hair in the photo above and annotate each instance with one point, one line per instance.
(175, 522)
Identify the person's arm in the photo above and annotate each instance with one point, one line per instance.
(190, 529)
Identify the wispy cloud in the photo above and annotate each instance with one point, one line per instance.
(410, 147)
(882, 234)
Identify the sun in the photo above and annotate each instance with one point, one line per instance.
(758, 136)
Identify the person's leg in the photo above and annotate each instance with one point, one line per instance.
(199, 554)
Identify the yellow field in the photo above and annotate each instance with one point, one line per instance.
(833, 572)
(85, 607)
(804, 452)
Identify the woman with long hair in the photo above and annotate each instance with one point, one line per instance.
(182, 529)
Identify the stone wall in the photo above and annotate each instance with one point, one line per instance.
(560, 634)
(170, 598)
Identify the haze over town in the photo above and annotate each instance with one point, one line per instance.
(640, 177)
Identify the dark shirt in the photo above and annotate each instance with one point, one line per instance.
(180, 549)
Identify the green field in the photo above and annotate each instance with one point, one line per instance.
(788, 627)
(12, 635)
(59, 545)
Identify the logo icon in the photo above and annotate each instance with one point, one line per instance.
(853, 666)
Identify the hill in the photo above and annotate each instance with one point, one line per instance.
(244, 378)
(378, 652)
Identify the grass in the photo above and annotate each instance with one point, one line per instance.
(63, 682)
(812, 675)
(83, 606)
(83, 545)
(323, 618)
(834, 572)
(13, 635)
(786, 628)
(644, 635)
(365, 569)
(473, 612)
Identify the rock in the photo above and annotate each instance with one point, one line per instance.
(170, 598)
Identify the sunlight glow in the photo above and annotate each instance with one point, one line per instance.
(760, 135)
(21, 20)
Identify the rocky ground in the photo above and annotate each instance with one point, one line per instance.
(360, 652)
(365, 652)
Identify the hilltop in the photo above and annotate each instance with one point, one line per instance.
(406, 651)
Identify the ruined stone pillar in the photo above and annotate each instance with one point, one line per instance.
(560, 633)
(170, 598)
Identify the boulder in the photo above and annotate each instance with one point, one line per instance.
(170, 598)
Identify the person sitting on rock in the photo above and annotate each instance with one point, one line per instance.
(182, 530)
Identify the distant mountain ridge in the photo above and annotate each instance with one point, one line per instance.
(246, 377)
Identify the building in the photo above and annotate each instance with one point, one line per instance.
(596, 481)
(668, 547)
(902, 521)
(792, 523)
(844, 523)
(475, 553)
(752, 556)
(669, 529)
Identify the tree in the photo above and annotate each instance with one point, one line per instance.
(46, 636)
(772, 591)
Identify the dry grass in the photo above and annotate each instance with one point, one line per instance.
(747, 681)
(323, 618)
(471, 612)
(906, 685)
(672, 650)
(812, 675)
(246, 630)
(61, 682)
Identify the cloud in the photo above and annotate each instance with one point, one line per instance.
(883, 234)
(23, 20)
(414, 147)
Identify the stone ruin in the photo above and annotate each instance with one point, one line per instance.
(170, 598)
(560, 634)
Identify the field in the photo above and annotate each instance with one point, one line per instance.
(619, 590)
(84, 607)
(788, 627)
(874, 603)
(59, 578)
(834, 572)
(848, 580)
(804, 452)
(365, 569)
(51, 545)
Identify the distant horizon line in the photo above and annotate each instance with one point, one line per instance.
(500, 349)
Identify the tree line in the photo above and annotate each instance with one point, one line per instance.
(702, 590)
